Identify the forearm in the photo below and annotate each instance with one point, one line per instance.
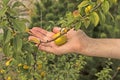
(109, 48)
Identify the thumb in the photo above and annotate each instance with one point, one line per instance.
(56, 29)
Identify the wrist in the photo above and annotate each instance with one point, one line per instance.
(83, 44)
(87, 46)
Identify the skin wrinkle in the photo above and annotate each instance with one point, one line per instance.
(83, 37)
(92, 46)
(100, 46)
(94, 49)
(102, 43)
(33, 33)
(41, 33)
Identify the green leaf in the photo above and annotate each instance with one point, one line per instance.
(7, 35)
(7, 49)
(25, 20)
(103, 35)
(5, 2)
(77, 25)
(105, 6)
(18, 4)
(94, 18)
(83, 4)
(67, 65)
(18, 58)
(27, 47)
(3, 24)
(28, 58)
(111, 16)
(19, 25)
(2, 11)
(86, 23)
(13, 12)
(102, 17)
(17, 43)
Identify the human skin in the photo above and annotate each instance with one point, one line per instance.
(78, 42)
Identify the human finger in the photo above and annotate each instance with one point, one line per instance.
(34, 39)
(49, 44)
(46, 49)
(37, 34)
(56, 29)
(38, 29)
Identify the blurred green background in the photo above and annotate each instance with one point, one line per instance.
(47, 14)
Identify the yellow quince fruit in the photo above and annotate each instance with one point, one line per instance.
(26, 67)
(88, 9)
(59, 39)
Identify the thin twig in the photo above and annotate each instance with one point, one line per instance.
(94, 9)
(48, 41)
(115, 74)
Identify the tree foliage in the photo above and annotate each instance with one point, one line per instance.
(98, 18)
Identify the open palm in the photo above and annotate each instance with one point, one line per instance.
(43, 35)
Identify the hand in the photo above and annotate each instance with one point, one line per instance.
(77, 41)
